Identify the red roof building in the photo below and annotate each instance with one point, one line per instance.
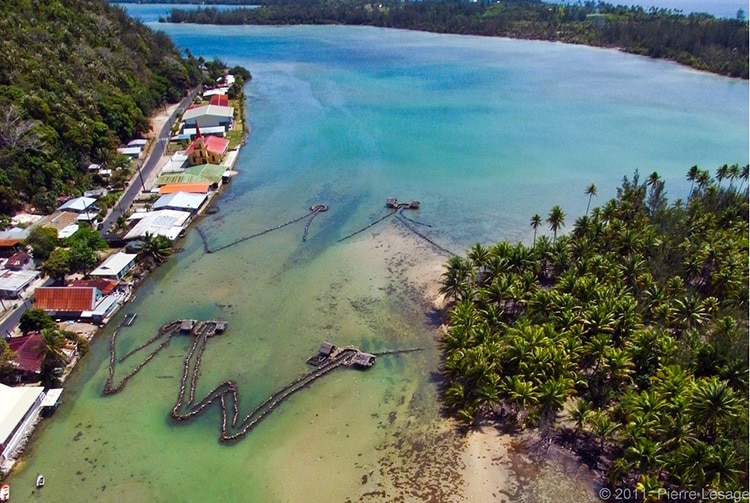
(30, 350)
(220, 99)
(19, 261)
(206, 150)
(106, 286)
(66, 301)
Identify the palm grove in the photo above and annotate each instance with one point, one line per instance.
(626, 338)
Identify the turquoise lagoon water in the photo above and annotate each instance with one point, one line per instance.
(485, 133)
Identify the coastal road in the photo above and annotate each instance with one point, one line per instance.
(149, 165)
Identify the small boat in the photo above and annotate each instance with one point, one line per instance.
(40, 480)
(4, 492)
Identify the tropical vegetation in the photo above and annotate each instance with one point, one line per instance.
(77, 79)
(626, 338)
(698, 40)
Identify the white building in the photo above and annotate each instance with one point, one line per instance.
(14, 283)
(19, 412)
(181, 201)
(209, 116)
(115, 266)
(168, 223)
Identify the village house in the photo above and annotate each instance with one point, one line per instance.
(181, 201)
(10, 240)
(209, 116)
(19, 261)
(167, 223)
(194, 188)
(30, 351)
(104, 285)
(13, 284)
(66, 302)
(115, 266)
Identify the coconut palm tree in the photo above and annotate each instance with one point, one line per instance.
(713, 402)
(590, 191)
(155, 247)
(54, 342)
(556, 220)
(722, 172)
(692, 174)
(455, 278)
(535, 222)
(743, 175)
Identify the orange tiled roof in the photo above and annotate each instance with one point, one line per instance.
(194, 187)
(55, 298)
(9, 242)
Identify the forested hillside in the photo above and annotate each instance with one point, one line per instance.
(698, 40)
(77, 78)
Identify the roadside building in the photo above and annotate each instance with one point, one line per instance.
(79, 205)
(115, 266)
(104, 285)
(181, 201)
(19, 261)
(18, 414)
(14, 283)
(66, 302)
(221, 100)
(167, 223)
(30, 351)
(203, 173)
(138, 142)
(193, 188)
(176, 163)
(132, 152)
(209, 116)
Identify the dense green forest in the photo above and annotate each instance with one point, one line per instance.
(77, 79)
(626, 339)
(698, 40)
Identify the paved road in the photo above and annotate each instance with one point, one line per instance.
(136, 185)
(10, 322)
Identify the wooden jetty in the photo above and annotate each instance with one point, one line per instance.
(187, 326)
(392, 202)
(349, 356)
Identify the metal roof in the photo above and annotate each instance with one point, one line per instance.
(16, 403)
(210, 110)
(77, 204)
(166, 223)
(180, 200)
(72, 299)
(114, 264)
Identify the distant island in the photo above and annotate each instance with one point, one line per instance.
(700, 41)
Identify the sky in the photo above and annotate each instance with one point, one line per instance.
(718, 8)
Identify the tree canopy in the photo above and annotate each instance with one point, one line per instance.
(77, 79)
(634, 325)
(698, 40)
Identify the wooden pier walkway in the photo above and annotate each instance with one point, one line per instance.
(232, 428)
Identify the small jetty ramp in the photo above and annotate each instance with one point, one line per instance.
(187, 406)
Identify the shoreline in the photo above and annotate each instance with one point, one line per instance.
(90, 331)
